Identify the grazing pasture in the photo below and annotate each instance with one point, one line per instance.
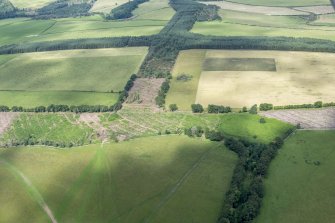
(147, 179)
(282, 86)
(235, 23)
(70, 77)
(300, 184)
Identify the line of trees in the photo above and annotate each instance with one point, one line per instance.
(160, 99)
(124, 11)
(77, 108)
(218, 109)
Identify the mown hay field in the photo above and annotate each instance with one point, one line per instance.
(155, 179)
(63, 77)
(234, 23)
(300, 184)
(300, 77)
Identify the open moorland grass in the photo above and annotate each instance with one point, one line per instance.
(283, 2)
(150, 18)
(65, 77)
(300, 77)
(155, 179)
(31, 4)
(252, 24)
(300, 184)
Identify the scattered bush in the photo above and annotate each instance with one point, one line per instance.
(173, 107)
(253, 110)
(218, 109)
(265, 107)
(262, 120)
(214, 135)
(184, 77)
(195, 131)
(197, 108)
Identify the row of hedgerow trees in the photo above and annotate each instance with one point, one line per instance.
(77, 108)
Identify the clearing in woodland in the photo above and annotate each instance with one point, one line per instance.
(300, 77)
(119, 182)
(300, 184)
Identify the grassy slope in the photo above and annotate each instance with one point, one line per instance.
(30, 99)
(123, 182)
(297, 190)
(184, 93)
(283, 2)
(251, 24)
(48, 127)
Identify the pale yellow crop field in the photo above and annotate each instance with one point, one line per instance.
(106, 6)
(301, 77)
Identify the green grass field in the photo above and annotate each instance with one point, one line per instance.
(149, 19)
(140, 123)
(283, 2)
(252, 24)
(300, 184)
(29, 99)
(155, 179)
(42, 128)
(63, 77)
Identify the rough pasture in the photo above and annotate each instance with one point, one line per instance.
(119, 182)
(318, 10)
(33, 4)
(300, 184)
(307, 118)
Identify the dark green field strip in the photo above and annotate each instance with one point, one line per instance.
(239, 64)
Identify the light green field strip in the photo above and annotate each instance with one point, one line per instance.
(29, 99)
(154, 10)
(236, 24)
(122, 182)
(300, 184)
(283, 2)
(106, 6)
(184, 93)
(31, 189)
(26, 30)
(101, 70)
(31, 4)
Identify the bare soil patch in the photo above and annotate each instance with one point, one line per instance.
(144, 92)
(308, 119)
(93, 121)
(6, 118)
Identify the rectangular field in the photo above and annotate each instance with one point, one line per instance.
(239, 64)
(236, 23)
(153, 179)
(300, 184)
(67, 77)
(300, 77)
